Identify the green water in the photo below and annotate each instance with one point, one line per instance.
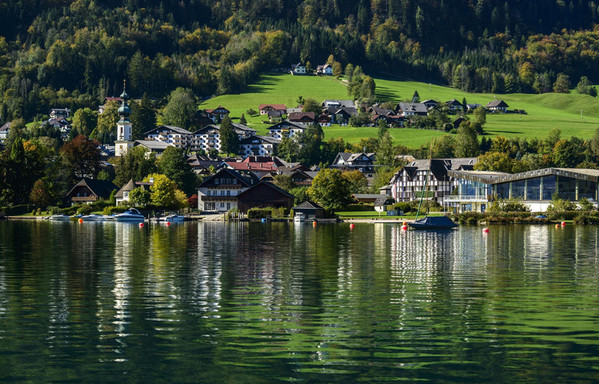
(263, 303)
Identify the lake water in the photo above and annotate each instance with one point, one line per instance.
(277, 302)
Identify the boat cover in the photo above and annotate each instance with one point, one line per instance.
(433, 222)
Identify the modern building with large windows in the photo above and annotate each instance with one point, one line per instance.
(478, 189)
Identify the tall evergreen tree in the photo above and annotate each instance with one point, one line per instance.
(229, 141)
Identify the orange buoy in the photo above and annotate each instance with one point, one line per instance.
(141, 225)
(556, 225)
(80, 220)
(352, 226)
(314, 223)
(405, 223)
(485, 230)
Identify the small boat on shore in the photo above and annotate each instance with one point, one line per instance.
(131, 215)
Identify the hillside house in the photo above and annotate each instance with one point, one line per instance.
(265, 108)
(454, 106)
(412, 109)
(285, 129)
(430, 104)
(363, 162)
(341, 115)
(152, 146)
(325, 70)
(298, 69)
(217, 114)
(338, 104)
(302, 118)
(497, 106)
(4, 131)
(59, 113)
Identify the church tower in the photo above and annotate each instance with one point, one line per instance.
(123, 142)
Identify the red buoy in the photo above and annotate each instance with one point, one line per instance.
(141, 225)
(352, 226)
(168, 223)
(404, 227)
(485, 230)
(563, 223)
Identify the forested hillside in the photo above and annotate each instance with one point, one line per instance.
(72, 53)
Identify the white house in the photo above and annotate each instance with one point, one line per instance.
(179, 137)
(219, 192)
(258, 146)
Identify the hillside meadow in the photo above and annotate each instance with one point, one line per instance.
(543, 112)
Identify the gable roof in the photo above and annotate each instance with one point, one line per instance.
(276, 107)
(307, 205)
(285, 124)
(266, 184)
(220, 107)
(246, 179)
(454, 102)
(131, 185)
(168, 128)
(100, 188)
(497, 104)
(5, 127)
(297, 116)
(260, 140)
(413, 107)
(154, 145)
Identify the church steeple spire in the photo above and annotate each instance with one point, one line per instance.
(124, 130)
(124, 110)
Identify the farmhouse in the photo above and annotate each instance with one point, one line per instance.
(265, 108)
(303, 118)
(326, 70)
(412, 109)
(298, 69)
(285, 129)
(219, 192)
(217, 114)
(497, 106)
(454, 105)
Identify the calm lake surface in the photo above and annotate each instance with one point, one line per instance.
(263, 303)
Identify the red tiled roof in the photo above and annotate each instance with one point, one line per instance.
(276, 107)
(253, 166)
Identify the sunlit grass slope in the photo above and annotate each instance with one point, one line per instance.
(544, 112)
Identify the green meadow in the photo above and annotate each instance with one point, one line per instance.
(543, 112)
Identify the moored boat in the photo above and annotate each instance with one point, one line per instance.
(93, 217)
(131, 215)
(433, 222)
(172, 218)
(59, 218)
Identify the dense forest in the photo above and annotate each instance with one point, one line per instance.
(73, 53)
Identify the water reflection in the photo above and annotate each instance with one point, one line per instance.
(213, 302)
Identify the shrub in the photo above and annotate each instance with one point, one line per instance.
(359, 207)
(402, 206)
(508, 205)
(251, 112)
(85, 209)
(587, 218)
(113, 210)
(470, 217)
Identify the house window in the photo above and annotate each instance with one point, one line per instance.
(228, 206)
(222, 205)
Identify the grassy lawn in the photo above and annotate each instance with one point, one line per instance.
(544, 112)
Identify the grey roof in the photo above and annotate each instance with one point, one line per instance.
(101, 188)
(307, 205)
(5, 127)
(497, 104)
(169, 127)
(368, 195)
(243, 127)
(262, 139)
(154, 145)
(341, 103)
(413, 107)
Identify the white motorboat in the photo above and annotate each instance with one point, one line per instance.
(131, 215)
(93, 217)
(59, 218)
(173, 218)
